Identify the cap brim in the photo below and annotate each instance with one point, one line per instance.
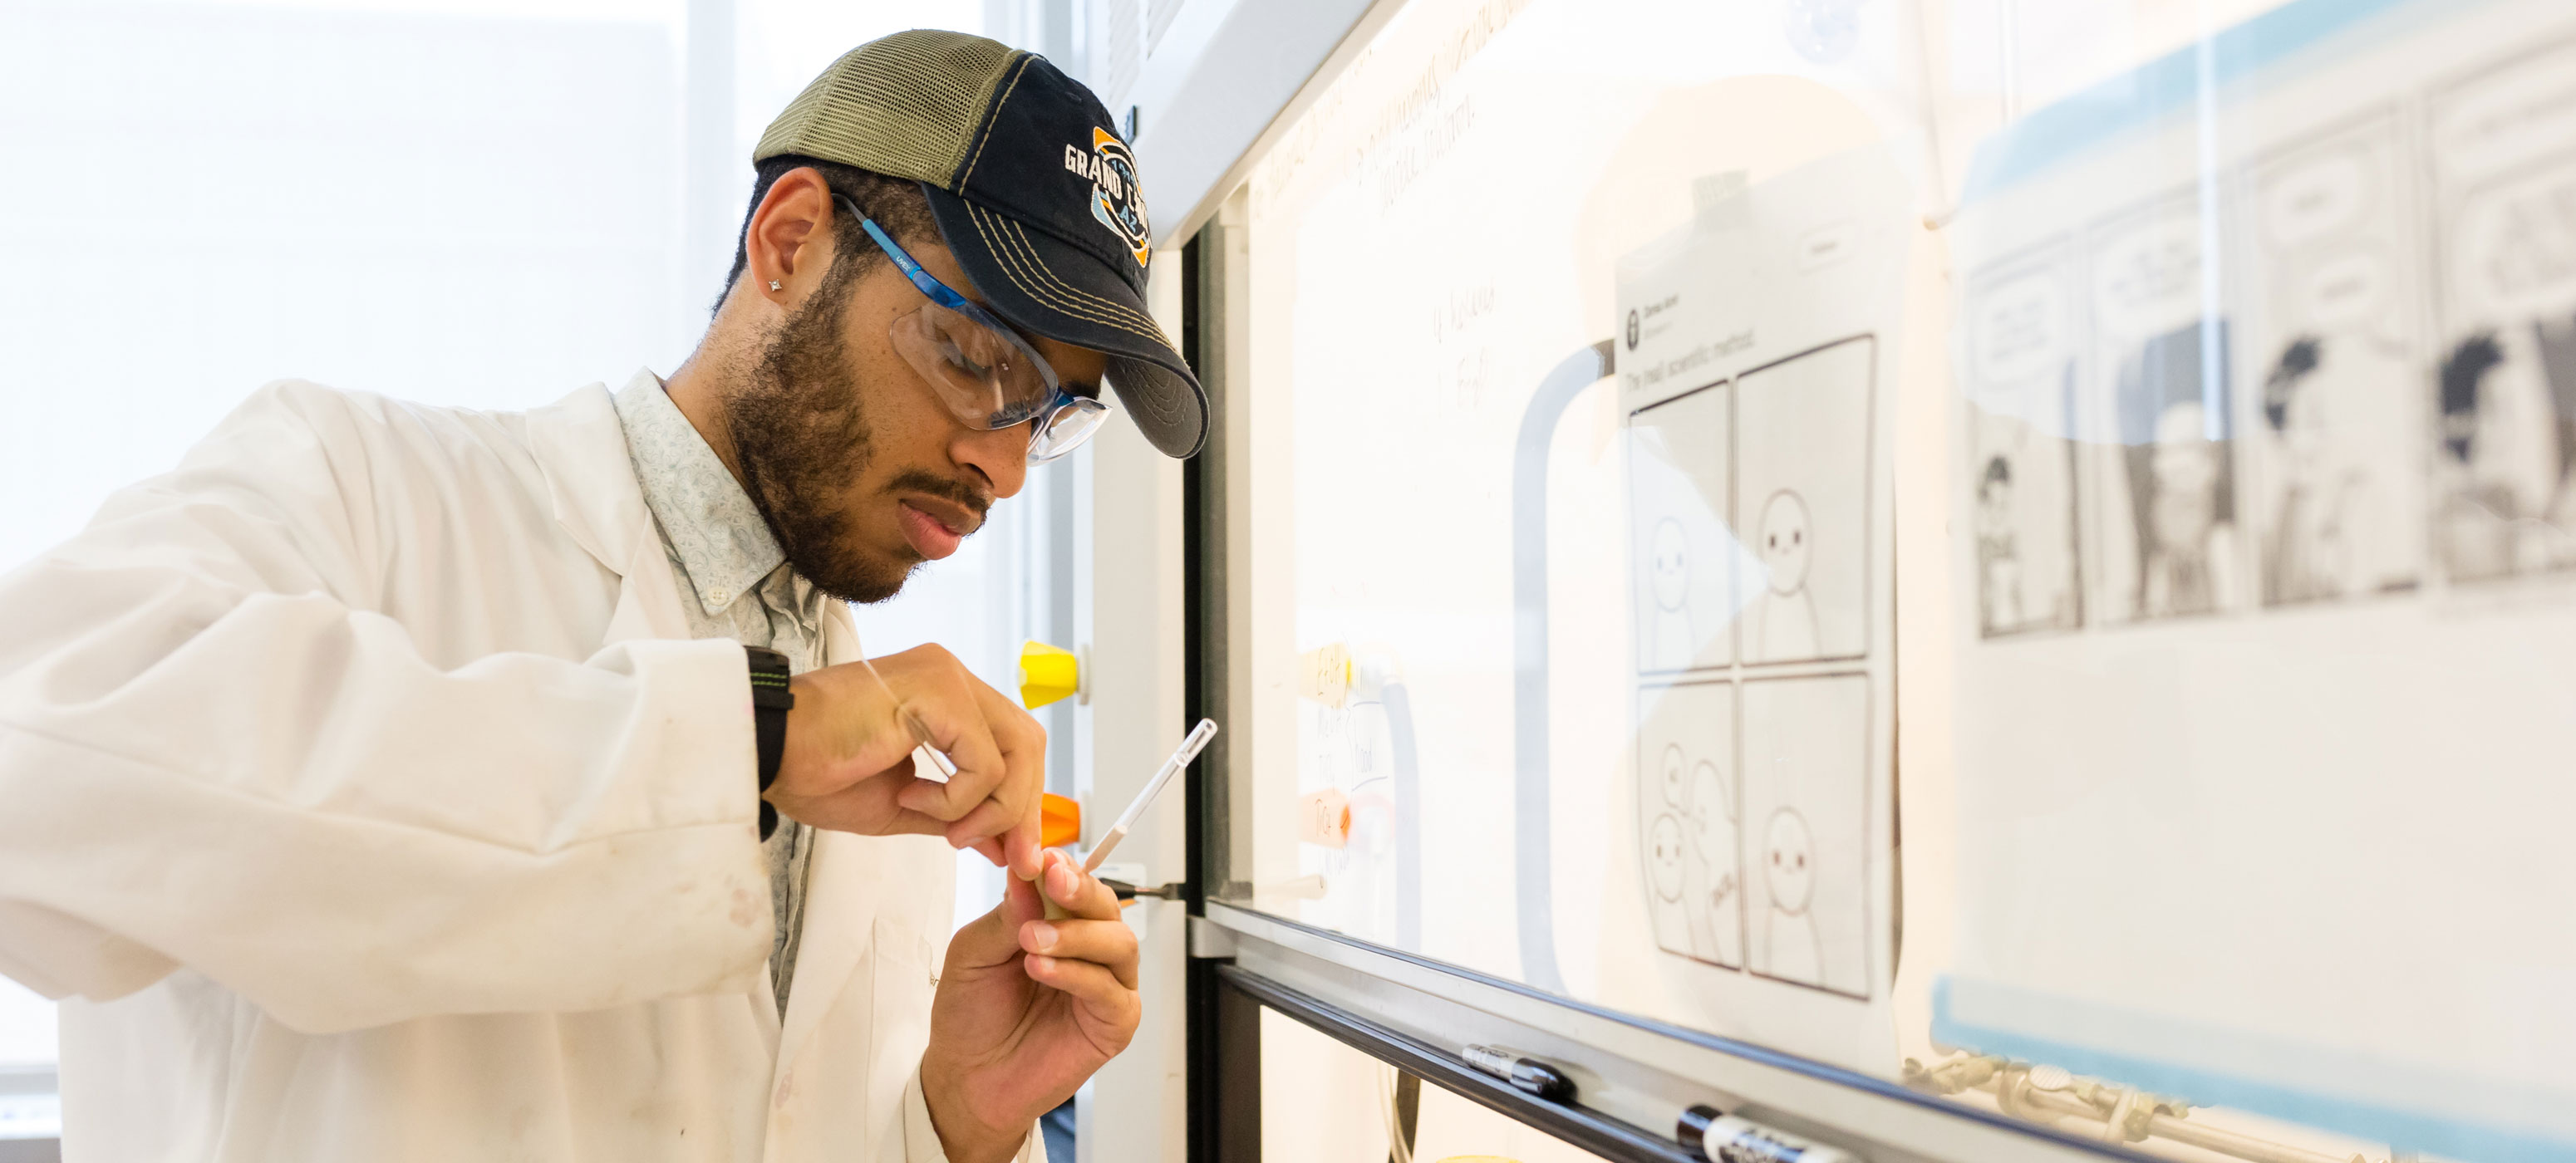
(1066, 293)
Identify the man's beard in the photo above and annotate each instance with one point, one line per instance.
(803, 438)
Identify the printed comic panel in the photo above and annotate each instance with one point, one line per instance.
(1688, 820)
(2021, 349)
(2164, 519)
(1806, 826)
(2503, 477)
(1803, 503)
(1682, 549)
(2332, 482)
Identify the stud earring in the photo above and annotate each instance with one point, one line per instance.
(773, 284)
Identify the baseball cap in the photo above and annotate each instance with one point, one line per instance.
(1033, 190)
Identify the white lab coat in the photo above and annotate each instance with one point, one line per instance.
(359, 780)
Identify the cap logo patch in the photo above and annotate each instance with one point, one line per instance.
(1117, 199)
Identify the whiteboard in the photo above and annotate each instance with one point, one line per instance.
(1465, 681)
(2263, 575)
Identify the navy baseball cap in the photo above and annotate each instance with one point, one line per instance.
(1034, 191)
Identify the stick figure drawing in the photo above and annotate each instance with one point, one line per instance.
(1796, 952)
(1786, 626)
(1670, 574)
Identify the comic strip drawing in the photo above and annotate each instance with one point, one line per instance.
(1668, 566)
(2327, 529)
(2493, 522)
(2021, 463)
(1664, 856)
(2165, 525)
(2181, 487)
(1687, 821)
(2556, 339)
(1712, 834)
(1803, 486)
(1785, 324)
(2028, 576)
(1677, 487)
(2304, 555)
(2504, 458)
(2176, 476)
(1794, 951)
(1675, 772)
(1704, 864)
(1806, 778)
(1998, 550)
(2476, 523)
(2336, 512)
(1786, 627)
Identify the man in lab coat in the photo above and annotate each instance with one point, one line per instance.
(394, 782)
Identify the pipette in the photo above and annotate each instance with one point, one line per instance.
(1181, 757)
(1196, 741)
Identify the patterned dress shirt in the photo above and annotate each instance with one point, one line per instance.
(745, 591)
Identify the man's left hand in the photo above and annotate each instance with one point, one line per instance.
(1027, 1009)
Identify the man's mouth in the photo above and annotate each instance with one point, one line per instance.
(931, 537)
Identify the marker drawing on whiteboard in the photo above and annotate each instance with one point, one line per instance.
(1723, 1138)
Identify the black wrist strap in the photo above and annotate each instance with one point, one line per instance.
(770, 701)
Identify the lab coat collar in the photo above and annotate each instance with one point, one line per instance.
(580, 447)
(723, 544)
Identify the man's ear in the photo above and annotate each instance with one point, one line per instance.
(788, 246)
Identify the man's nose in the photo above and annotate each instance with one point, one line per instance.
(1001, 454)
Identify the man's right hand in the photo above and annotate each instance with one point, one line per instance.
(847, 765)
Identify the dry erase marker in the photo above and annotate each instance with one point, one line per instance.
(1526, 1074)
(1724, 1138)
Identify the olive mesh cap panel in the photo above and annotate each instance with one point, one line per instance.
(905, 105)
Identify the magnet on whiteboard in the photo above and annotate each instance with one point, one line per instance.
(1049, 673)
(1324, 818)
(1324, 674)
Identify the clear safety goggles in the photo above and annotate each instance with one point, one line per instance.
(980, 367)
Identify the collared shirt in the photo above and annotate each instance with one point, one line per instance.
(745, 591)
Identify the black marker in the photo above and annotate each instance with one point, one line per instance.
(1724, 1138)
(1527, 1074)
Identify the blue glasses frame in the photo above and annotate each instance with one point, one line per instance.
(946, 296)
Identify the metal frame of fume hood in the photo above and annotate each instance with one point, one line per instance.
(1634, 1076)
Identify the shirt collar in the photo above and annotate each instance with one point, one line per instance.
(710, 523)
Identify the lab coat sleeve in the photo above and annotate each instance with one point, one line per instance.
(921, 1139)
(213, 756)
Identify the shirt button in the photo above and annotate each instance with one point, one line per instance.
(719, 596)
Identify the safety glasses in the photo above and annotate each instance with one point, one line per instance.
(981, 369)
